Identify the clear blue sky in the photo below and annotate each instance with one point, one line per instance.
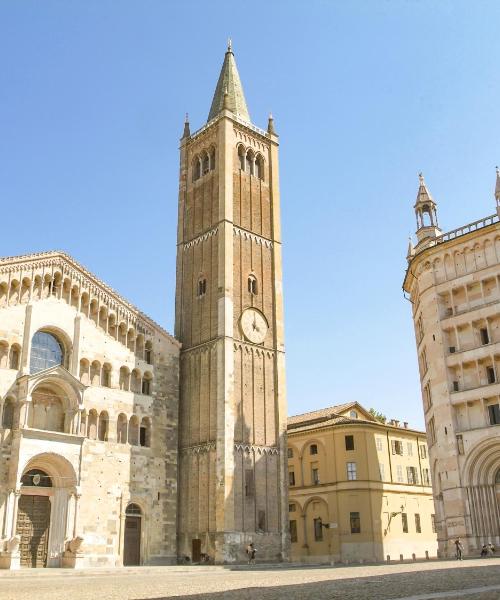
(365, 94)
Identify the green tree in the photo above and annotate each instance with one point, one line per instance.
(377, 415)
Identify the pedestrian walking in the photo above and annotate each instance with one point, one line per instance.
(251, 550)
(459, 549)
(484, 550)
(491, 549)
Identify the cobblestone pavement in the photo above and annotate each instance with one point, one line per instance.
(467, 580)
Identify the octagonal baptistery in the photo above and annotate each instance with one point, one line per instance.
(88, 421)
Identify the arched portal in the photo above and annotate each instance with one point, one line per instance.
(132, 541)
(481, 471)
(46, 510)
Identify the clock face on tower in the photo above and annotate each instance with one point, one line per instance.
(253, 325)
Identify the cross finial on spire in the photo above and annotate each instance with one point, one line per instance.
(229, 45)
(421, 177)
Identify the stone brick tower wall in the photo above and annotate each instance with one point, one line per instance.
(229, 318)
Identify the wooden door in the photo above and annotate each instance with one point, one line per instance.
(196, 551)
(33, 520)
(132, 542)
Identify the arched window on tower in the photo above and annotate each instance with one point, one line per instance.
(205, 163)
(241, 157)
(250, 162)
(212, 159)
(252, 285)
(196, 168)
(259, 167)
(202, 287)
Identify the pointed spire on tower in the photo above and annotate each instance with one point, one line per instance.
(425, 212)
(270, 125)
(229, 80)
(187, 131)
(423, 194)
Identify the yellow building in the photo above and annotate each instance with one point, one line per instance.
(359, 490)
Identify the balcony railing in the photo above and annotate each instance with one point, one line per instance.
(455, 233)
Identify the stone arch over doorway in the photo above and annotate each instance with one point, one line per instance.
(45, 509)
(480, 473)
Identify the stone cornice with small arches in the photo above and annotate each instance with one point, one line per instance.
(238, 447)
(247, 136)
(203, 237)
(86, 281)
(255, 448)
(198, 448)
(248, 235)
(254, 349)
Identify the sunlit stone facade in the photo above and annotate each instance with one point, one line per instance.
(229, 318)
(453, 283)
(359, 489)
(88, 414)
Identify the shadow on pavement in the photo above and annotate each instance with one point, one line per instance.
(374, 587)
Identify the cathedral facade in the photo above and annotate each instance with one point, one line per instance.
(88, 437)
(123, 445)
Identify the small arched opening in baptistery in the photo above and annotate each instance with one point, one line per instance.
(46, 510)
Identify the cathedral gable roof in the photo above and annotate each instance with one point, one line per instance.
(86, 279)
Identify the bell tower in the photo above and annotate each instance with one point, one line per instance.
(229, 318)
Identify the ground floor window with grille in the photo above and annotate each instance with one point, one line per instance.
(355, 522)
(418, 528)
(293, 531)
(318, 530)
(404, 518)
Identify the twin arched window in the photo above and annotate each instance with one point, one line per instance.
(250, 162)
(46, 352)
(203, 163)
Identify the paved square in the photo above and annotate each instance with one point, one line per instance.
(478, 579)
